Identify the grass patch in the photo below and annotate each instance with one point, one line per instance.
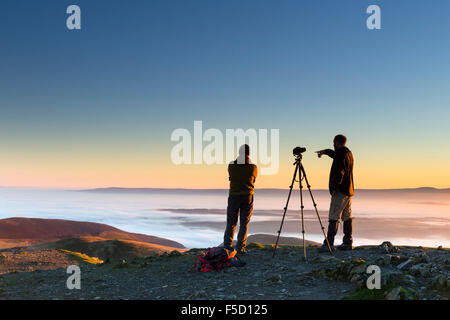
(255, 245)
(83, 257)
(374, 294)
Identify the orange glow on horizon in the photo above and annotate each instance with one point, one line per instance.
(164, 174)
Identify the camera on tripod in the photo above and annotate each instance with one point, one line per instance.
(300, 171)
(298, 151)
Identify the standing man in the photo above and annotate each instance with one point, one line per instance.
(242, 174)
(341, 190)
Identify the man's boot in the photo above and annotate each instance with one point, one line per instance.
(347, 242)
(332, 230)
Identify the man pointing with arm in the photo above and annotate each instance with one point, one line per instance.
(341, 190)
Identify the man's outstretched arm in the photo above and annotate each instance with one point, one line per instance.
(328, 152)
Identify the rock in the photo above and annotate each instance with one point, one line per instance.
(359, 269)
(386, 244)
(407, 279)
(275, 278)
(381, 261)
(422, 257)
(385, 260)
(201, 294)
(387, 247)
(425, 272)
(441, 281)
(292, 253)
(394, 294)
(257, 274)
(358, 262)
(442, 260)
(174, 253)
(389, 276)
(418, 270)
(358, 281)
(406, 265)
(122, 264)
(324, 259)
(390, 259)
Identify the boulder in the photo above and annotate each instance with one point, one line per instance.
(387, 247)
(358, 281)
(417, 270)
(406, 265)
(358, 269)
(422, 258)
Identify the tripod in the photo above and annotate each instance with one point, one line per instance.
(301, 172)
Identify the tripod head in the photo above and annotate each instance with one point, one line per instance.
(298, 154)
(298, 158)
(298, 151)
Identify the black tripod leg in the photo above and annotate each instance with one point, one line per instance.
(315, 207)
(285, 208)
(302, 211)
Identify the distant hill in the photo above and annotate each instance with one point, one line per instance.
(27, 231)
(107, 249)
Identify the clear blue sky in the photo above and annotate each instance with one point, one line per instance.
(139, 69)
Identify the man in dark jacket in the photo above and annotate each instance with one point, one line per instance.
(341, 190)
(242, 174)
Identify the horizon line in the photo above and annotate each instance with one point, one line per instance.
(256, 189)
(203, 189)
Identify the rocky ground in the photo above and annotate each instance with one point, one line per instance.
(26, 260)
(406, 273)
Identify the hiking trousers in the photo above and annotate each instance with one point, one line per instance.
(340, 207)
(238, 206)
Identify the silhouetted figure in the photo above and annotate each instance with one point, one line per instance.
(242, 174)
(341, 190)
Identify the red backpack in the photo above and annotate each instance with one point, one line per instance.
(214, 259)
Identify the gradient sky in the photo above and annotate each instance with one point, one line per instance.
(96, 107)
